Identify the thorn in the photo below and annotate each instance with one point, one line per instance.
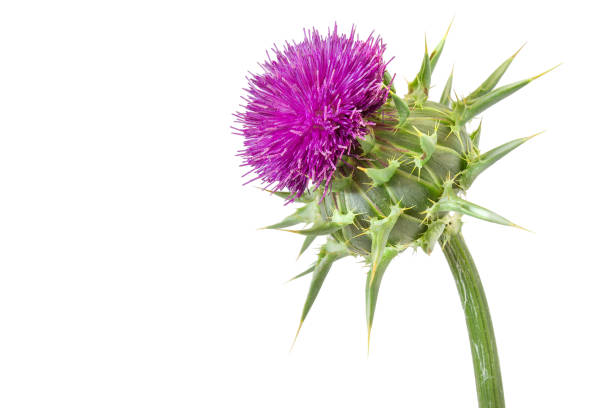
(545, 72)
(287, 230)
(449, 27)
(369, 333)
(296, 335)
(521, 228)
(534, 135)
(519, 50)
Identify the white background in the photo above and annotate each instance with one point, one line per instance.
(131, 270)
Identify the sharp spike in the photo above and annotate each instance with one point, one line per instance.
(307, 241)
(423, 79)
(487, 159)
(379, 232)
(445, 98)
(435, 54)
(454, 203)
(299, 275)
(309, 213)
(330, 252)
(494, 78)
(297, 333)
(403, 110)
(373, 286)
(475, 136)
(546, 72)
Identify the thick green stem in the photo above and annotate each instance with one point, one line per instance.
(480, 328)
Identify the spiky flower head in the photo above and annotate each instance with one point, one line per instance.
(397, 168)
(309, 107)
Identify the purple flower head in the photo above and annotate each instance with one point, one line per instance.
(309, 107)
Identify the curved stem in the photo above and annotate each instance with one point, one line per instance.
(480, 328)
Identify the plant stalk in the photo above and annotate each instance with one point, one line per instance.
(480, 328)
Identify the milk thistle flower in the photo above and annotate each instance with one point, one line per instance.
(376, 173)
(310, 106)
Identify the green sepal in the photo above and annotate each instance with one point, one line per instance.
(479, 105)
(470, 108)
(338, 220)
(403, 111)
(373, 284)
(381, 176)
(388, 81)
(445, 98)
(306, 272)
(493, 79)
(368, 143)
(435, 54)
(306, 197)
(452, 202)
(307, 242)
(341, 183)
(306, 214)
(485, 160)
(428, 146)
(421, 83)
(379, 231)
(475, 136)
(330, 252)
(430, 237)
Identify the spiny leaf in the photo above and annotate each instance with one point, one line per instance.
(330, 252)
(403, 111)
(428, 144)
(478, 105)
(287, 195)
(475, 136)
(445, 98)
(306, 214)
(457, 204)
(388, 81)
(435, 54)
(494, 78)
(373, 285)
(428, 240)
(379, 232)
(423, 78)
(338, 220)
(382, 176)
(341, 183)
(307, 241)
(306, 272)
(485, 160)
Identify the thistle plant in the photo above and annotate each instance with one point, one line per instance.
(375, 173)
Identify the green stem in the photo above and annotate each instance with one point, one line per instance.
(480, 328)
